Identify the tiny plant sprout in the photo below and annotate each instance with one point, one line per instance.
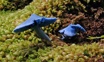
(35, 22)
(71, 30)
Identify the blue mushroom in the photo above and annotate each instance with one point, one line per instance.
(36, 22)
(71, 30)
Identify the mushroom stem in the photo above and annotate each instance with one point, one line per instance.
(41, 33)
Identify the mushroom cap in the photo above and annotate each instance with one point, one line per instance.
(34, 20)
(78, 27)
(72, 30)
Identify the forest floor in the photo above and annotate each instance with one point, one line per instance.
(93, 22)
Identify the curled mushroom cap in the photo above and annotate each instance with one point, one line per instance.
(71, 30)
(34, 20)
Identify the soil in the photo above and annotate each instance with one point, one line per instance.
(93, 22)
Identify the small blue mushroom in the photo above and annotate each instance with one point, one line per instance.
(36, 22)
(71, 30)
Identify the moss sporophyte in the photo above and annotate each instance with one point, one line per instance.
(35, 22)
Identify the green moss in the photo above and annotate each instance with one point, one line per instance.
(74, 53)
(13, 4)
(27, 46)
